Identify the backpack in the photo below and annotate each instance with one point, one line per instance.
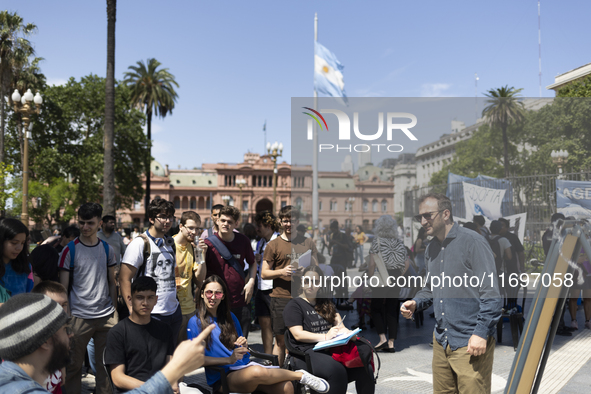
(72, 250)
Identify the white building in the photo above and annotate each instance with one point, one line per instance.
(570, 76)
(432, 157)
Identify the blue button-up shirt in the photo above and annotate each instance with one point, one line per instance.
(472, 307)
(14, 380)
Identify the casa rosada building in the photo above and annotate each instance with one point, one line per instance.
(357, 199)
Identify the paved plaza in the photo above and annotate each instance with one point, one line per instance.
(409, 369)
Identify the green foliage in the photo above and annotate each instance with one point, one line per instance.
(67, 143)
(580, 88)
(5, 171)
(152, 89)
(564, 124)
(54, 202)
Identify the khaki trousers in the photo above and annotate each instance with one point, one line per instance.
(84, 329)
(459, 372)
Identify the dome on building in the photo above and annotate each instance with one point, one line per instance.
(370, 172)
(157, 168)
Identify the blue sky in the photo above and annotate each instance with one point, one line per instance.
(240, 62)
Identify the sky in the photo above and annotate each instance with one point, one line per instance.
(239, 63)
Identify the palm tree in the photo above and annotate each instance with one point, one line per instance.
(152, 90)
(503, 108)
(108, 165)
(15, 50)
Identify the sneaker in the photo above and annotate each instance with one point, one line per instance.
(574, 324)
(314, 382)
(588, 324)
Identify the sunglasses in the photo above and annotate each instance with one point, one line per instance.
(427, 215)
(211, 293)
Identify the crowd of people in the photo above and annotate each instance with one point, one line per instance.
(143, 303)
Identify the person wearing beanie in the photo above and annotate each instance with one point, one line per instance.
(35, 342)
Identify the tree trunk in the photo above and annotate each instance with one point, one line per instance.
(505, 149)
(148, 170)
(109, 167)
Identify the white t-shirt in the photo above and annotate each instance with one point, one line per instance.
(503, 243)
(160, 266)
(264, 284)
(89, 298)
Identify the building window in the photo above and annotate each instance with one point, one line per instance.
(193, 203)
(298, 203)
(260, 180)
(374, 206)
(347, 223)
(333, 206)
(384, 206)
(244, 206)
(365, 205)
(177, 203)
(320, 205)
(283, 204)
(264, 181)
(208, 203)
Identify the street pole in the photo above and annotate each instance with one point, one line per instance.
(25, 202)
(25, 107)
(315, 143)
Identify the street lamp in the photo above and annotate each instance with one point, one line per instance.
(559, 158)
(274, 150)
(24, 106)
(240, 183)
(351, 201)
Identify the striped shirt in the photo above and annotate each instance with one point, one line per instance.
(393, 252)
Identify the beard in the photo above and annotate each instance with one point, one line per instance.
(60, 357)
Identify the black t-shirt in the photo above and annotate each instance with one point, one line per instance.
(141, 348)
(516, 247)
(298, 312)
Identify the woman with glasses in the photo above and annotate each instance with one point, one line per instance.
(384, 305)
(226, 346)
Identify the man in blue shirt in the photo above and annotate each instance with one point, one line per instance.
(463, 287)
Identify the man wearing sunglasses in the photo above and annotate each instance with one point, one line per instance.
(466, 315)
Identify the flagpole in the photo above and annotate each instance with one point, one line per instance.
(315, 144)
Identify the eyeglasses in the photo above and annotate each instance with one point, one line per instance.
(211, 293)
(165, 218)
(426, 215)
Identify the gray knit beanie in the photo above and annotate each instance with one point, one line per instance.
(26, 322)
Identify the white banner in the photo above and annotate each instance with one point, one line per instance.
(482, 201)
(517, 224)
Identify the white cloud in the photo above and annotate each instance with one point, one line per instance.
(56, 81)
(434, 89)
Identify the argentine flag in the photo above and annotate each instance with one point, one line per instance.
(328, 77)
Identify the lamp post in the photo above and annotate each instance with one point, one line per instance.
(351, 201)
(559, 158)
(24, 106)
(274, 150)
(226, 199)
(240, 183)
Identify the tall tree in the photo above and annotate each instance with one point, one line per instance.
(67, 144)
(503, 108)
(152, 91)
(15, 49)
(109, 166)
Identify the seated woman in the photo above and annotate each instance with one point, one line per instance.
(226, 346)
(311, 319)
